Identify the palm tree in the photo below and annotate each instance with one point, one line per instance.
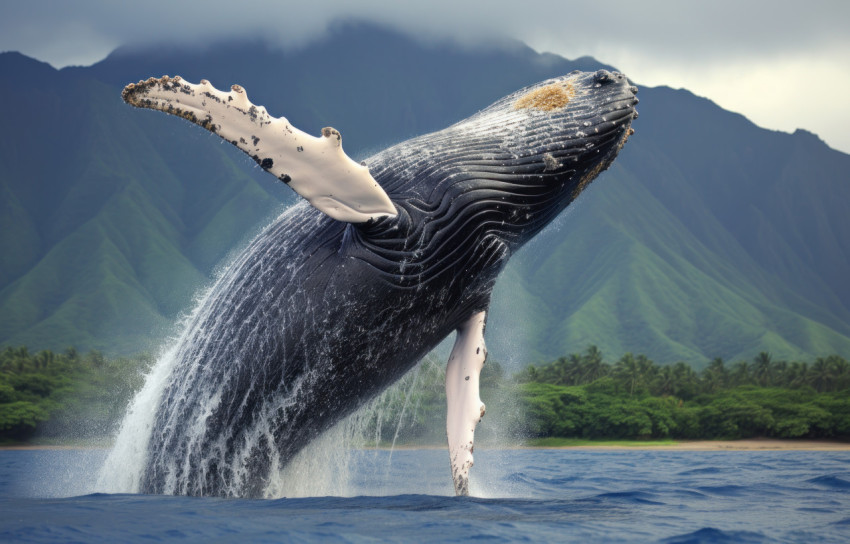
(574, 368)
(797, 374)
(762, 371)
(43, 360)
(593, 367)
(841, 369)
(715, 376)
(665, 381)
(780, 374)
(531, 373)
(741, 374)
(821, 375)
(557, 371)
(647, 367)
(684, 380)
(565, 371)
(628, 372)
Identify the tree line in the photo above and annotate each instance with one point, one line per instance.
(66, 394)
(635, 373)
(581, 395)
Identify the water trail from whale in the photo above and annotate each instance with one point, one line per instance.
(122, 470)
(322, 468)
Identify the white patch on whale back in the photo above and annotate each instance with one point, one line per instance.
(465, 409)
(316, 168)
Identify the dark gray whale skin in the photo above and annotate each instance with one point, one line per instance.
(317, 316)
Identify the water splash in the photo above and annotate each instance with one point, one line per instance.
(356, 445)
(324, 468)
(123, 467)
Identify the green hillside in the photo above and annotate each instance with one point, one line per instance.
(645, 280)
(724, 243)
(108, 236)
(709, 236)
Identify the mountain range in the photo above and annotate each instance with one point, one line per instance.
(709, 237)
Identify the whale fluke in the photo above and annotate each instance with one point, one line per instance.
(315, 168)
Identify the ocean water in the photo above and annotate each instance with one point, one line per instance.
(405, 495)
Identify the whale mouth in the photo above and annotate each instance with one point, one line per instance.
(617, 101)
(605, 128)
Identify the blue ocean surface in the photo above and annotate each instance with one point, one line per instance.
(405, 495)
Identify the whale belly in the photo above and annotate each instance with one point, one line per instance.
(292, 339)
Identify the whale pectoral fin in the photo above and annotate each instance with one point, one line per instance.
(315, 168)
(465, 408)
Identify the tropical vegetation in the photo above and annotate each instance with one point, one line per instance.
(64, 395)
(580, 396)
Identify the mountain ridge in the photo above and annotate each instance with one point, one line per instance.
(709, 237)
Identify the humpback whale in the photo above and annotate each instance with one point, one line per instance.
(350, 288)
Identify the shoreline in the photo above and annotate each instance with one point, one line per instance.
(756, 444)
(28, 447)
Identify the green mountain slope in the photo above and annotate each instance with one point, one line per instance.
(709, 237)
(108, 239)
(645, 283)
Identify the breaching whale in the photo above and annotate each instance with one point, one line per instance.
(347, 291)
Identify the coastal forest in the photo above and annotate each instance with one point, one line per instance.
(69, 396)
(65, 396)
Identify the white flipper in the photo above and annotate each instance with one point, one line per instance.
(316, 168)
(465, 408)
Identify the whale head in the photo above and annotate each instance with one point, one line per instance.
(508, 170)
(574, 125)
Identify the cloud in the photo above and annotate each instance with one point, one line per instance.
(664, 29)
(727, 50)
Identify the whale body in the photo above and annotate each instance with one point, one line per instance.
(348, 290)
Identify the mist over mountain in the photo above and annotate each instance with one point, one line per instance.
(708, 237)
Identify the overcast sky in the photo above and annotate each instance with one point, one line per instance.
(785, 65)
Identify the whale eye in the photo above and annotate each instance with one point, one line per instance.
(548, 98)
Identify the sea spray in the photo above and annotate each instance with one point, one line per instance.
(360, 446)
(323, 468)
(122, 470)
(124, 466)
(356, 455)
(327, 465)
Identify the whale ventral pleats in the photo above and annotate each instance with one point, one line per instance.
(548, 98)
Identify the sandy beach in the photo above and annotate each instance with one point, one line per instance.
(25, 447)
(728, 445)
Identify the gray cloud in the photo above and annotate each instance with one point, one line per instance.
(696, 30)
(720, 49)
